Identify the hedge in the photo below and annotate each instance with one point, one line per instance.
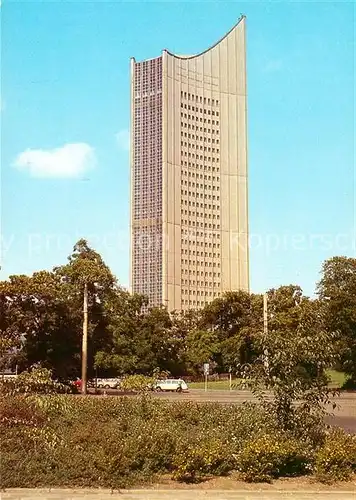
(74, 441)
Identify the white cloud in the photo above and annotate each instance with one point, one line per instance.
(123, 139)
(69, 161)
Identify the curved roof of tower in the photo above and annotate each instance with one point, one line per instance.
(178, 56)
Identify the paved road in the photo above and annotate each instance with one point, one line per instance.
(175, 495)
(222, 396)
(346, 401)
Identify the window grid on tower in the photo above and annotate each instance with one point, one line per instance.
(200, 160)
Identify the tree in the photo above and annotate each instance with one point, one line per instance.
(142, 340)
(125, 312)
(293, 357)
(233, 318)
(90, 278)
(12, 324)
(337, 289)
(201, 347)
(40, 322)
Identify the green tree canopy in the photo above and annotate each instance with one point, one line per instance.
(337, 289)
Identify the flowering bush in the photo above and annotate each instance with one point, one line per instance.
(206, 456)
(336, 459)
(270, 456)
(71, 441)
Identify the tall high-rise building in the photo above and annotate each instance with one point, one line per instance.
(189, 207)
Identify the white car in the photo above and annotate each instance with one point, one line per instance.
(171, 384)
(107, 383)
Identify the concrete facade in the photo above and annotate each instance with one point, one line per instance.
(189, 206)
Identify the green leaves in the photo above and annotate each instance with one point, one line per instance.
(337, 291)
(86, 266)
(201, 347)
(294, 355)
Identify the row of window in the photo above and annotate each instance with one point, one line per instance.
(206, 187)
(140, 262)
(193, 303)
(144, 186)
(197, 146)
(206, 168)
(201, 254)
(200, 138)
(147, 173)
(199, 110)
(150, 164)
(202, 294)
(151, 85)
(150, 215)
(200, 263)
(198, 119)
(207, 206)
(146, 154)
(202, 273)
(199, 98)
(201, 186)
(148, 286)
(197, 195)
(152, 237)
(153, 286)
(148, 76)
(203, 244)
(199, 283)
(196, 175)
(147, 121)
(198, 128)
(145, 96)
(202, 215)
(208, 235)
(200, 166)
(199, 224)
(148, 198)
(148, 136)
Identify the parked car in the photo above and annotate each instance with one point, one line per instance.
(77, 383)
(170, 384)
(107, 383)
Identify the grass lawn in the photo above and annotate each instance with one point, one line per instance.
(218, 385)
(337, 379)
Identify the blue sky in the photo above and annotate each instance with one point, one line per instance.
(65, 82)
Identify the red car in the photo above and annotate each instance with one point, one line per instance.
(78, 383)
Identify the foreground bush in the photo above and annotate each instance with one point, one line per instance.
(336, 459)
(272, 456)
(203, 456)
(69, 441)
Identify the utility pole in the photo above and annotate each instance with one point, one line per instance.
(85, 340)
(265, 313)
(265, 329)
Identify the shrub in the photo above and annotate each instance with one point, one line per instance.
(36, 381)
(271, 456)
(206, 456)
(68, 441)
(137, 383)
(19, 411)
(336, 459)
